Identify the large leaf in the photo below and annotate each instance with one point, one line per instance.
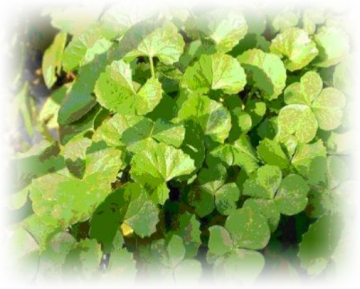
(319, 243)
(157, 165)
(79, 100)
(52, 58)
(295, 45)
(213, 118)
(333, 44)
(224, 27)
(83, 49)
(165, 43)
(265, 71)
(115, 91)
(215, 71)
(59, 197)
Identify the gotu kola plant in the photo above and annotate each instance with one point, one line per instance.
(186, 140)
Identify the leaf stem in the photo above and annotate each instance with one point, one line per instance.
(152, 67)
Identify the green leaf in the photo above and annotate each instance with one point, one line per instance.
(240, 267)
(263, 183)
(244, 154)
(117, 20)
(213, 72)
(53, 257)
(248, 229)
(79, 100)
(304, 155)
(157, 165)
(121, 269)
(226, 198)
(298, 119)
(265, 71)
(284, 21)
(164, 43)
(291, 197)
(328, 107)
(175, 250)
(333, 45)
(213, 118)
(52, 59)
(220, 241)
(83, 49)
(59, 197)
(138, 136)
(272, 153)
(319, 243)
(224, 27)
(267, 208)
(189, 231)
(256, 109)
(49, 112)
(295, 45)
(305, 91)
(115, 91)
(142, 213)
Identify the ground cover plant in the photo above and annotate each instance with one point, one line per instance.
(183, 145)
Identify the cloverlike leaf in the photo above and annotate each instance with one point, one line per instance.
(248, 229)
(310, 107)
(264, 182)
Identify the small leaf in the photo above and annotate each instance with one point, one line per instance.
(328, 107)
(240, 267)
(175, 250)
(264, 183)
(291, 197)
(272, 153)
(248, 229)
(299, 120)
(267, 208)
(220, 241)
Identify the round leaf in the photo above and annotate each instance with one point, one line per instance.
(265, 70)
(299, 120)
(291, 197)
(248, 229)
(295, 45)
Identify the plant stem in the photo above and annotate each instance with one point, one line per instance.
(152, 67)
